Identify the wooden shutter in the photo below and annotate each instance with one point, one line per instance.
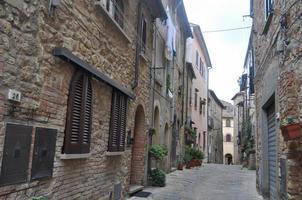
(87, 117)
(123, 112)
(16, 150)
(118, 122)
(44, 152)
(78, 127)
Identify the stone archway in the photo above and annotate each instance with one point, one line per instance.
(228, 159)
(138, 148)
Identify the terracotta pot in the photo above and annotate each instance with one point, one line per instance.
(291, 131)
(180, 166)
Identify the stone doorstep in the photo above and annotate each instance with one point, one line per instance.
(135, 188)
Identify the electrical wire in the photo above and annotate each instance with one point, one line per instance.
(225, 30)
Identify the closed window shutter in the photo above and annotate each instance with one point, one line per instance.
(87, 116)
(117, 122)
(123, 110)
(78, 128)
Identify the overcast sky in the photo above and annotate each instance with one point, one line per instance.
(227, 49)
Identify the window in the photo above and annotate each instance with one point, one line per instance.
(115, 8)
(200, 106)
(228, 138)
(201, 67)
(119, 12)
(143, 34)
(228, 123)
(195, 99)
(268, 7)
(78, 125)
(197, 56)
(117, 122)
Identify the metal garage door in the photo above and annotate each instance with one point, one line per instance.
(272, 151)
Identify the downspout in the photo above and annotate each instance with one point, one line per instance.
(152, 70)
(137, 61)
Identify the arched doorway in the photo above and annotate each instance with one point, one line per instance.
(156, 137)
(228, 159)
(138, 148)
(166, 143)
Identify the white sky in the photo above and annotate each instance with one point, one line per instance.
(227, 49)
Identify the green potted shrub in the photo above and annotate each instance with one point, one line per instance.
(180, 164)
(158, 152)
(158, 177)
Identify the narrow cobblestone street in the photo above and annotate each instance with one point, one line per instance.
(210, 182)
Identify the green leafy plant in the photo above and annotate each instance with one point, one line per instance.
(191, 131)
(158, 177)
(152, 131)
(168, 83)
(187, 158)
(158, 152)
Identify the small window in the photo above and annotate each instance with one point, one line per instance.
(78, 127)
(197, 57)
(228, 138)
(117, 122)
(268, 7)
(143, 35)
(195, 99)
(228, 123)
(200, 105)
(119, 12)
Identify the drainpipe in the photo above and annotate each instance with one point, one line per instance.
(152, 70)
(137, 61)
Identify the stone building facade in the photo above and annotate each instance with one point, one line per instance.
(169, 81)
(215, 137)
(228, 133)
(82, 70)
(198, 56)
(277, 43)
(238, 101)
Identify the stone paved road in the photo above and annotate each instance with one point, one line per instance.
(210, 182)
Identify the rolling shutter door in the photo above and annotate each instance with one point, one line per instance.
(272, 151)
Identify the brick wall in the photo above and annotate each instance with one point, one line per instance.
(28, 36)
(278, 70)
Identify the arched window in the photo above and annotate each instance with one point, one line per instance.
(228, 138)
(78, 124)
(228, 123)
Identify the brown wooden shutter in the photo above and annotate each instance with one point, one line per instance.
(86, 121)
(16, 150)
(44, 152)
(78, 127)
(123, 112)
(117, 133)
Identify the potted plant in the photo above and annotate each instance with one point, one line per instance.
(291, 128)
(180, 164)
(158, 177)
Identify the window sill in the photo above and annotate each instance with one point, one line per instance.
(113, 21)
(74, 156)
(118, 153)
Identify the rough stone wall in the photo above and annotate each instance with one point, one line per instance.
(279, 51)
(216, 137)
(28, 35)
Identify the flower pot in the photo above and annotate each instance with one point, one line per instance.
(180, 166)
(291, 131)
